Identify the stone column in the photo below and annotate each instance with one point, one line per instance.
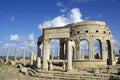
(15, 55)
(58, 52)
(46, 50)
(52, 54)
(23, 53)
(38, 62)
(69, 56)
(74, 55)
(91, 49)
(39, 50)
(34, 57)
(31, 58)
(112, 55)
(103, 51)
(7, 54)
(62, 50)
(78, 52)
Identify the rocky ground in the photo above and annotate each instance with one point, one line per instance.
(8, 72)
(12, 72)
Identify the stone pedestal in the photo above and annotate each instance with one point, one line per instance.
(64, 67)
(100, 70)
(50, 66)
(38, 62)
(108, 70)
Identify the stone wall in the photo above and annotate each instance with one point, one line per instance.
(87, 64)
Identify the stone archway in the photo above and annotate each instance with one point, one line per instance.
(84, 50)
(97, 49)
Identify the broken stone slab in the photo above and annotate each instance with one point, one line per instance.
(24, 70)
(12, 62)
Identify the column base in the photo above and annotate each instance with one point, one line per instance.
(44, 69)
(69, 70)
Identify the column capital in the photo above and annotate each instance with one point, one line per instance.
(46, 41)
(69, 38)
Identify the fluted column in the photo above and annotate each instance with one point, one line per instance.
(69, 56)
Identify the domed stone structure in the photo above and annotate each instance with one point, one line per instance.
(71, 36)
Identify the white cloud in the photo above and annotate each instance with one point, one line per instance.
(114, 0)
(85, 1)
(30, 43)
(99, 16)
(7, 45)
(63, 10)
(14, 38)
(73, 17)
(60, 4)
(87, 17)
(116, 44)
(31, 37)
(12, 18)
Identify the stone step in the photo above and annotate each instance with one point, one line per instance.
(72, 75)
(32, 70)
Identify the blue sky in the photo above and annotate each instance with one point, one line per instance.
(21, 21)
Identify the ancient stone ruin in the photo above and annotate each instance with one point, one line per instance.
(70, 37)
